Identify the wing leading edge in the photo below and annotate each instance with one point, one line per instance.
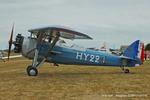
(64, 32)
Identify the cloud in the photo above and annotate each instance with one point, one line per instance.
(114, 21)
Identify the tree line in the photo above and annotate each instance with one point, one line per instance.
(147, 47)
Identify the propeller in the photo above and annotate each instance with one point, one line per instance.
(10, 41)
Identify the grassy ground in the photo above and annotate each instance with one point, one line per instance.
(69, 82)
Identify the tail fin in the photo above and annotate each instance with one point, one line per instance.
(135, 51)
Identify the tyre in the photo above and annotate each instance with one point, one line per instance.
(31, 71)
(126, 71)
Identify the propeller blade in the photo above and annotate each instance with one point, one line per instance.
(10, 41)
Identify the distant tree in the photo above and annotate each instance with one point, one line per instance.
(147, 47)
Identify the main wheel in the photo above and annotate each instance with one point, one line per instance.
(31, 71)
(126, 71)
(28, 68)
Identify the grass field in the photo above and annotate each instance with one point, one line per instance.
(70, 82)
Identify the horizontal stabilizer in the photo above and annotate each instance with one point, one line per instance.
(124, 57)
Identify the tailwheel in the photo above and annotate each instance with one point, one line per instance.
(55, 64)
(31, 71)
(126, 71)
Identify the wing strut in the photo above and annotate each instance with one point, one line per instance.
(37, 62)
(51, 46)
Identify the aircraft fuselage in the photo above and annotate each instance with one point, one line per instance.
(70, 55)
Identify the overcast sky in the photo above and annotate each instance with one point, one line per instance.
(115, 22)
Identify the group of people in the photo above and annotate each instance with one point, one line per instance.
(2, 56)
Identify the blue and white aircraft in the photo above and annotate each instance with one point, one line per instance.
(44, 45)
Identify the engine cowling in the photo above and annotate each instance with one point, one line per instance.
(18, 43)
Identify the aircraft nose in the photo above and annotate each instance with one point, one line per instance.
(18, 43)
(28, 47)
